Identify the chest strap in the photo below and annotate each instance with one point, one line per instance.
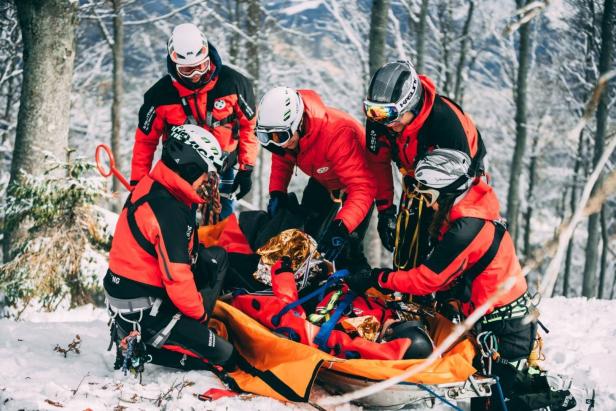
(209, 119)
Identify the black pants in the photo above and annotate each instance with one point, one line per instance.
(321, 209)
(189, 338)
(524, 392)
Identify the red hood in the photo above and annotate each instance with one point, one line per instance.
(479, 202)
(429, 96)
(315, 117)
(176, 185)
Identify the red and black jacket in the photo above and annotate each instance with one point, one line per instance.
(467, 237)
(441, 123)
(332, 151)
(225, 106)
(153, 244)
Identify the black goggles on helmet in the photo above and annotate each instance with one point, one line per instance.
(277, 136)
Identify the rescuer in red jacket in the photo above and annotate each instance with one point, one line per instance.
(199, 89)
(473, 256)
(406, 118)
(160, 281)
(326, 144)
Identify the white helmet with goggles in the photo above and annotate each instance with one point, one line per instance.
(188, 49)
(443, 171)
(279, 116)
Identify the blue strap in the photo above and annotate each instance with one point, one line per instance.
(501, 397)
(333, 279)
(328, 326)
(438, 396)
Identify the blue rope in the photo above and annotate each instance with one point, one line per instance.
(501, 397)
(440, 397)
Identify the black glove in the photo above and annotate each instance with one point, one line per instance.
(361, 279)
(243, 180)
(365, 278)
(333, 241)
(387, 228)
(278, 200)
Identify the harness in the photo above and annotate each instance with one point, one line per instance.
(209, 119)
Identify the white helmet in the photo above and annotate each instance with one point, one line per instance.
(187, 45)
(279, 115)
(444, 169)
(191, 151)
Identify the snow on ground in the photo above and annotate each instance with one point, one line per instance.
(33, 376)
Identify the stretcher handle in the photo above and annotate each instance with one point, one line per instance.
(103, 150)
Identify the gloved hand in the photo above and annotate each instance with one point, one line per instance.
(361, 279)
(365, 278)
(387, 228)
(333, 241)
(278, 200)
(243, 180)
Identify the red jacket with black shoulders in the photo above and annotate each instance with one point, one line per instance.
(225, 106)
(155, 259)
(332, 151)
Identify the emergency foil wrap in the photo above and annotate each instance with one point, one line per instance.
(293, 243)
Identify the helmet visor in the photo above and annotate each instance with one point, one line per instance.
(277, 137)
(190, 71)
(381, 113)
(430, 195)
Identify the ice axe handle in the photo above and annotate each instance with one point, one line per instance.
(101, 151)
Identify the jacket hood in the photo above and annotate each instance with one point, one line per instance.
(184, 87)
(428, 101)
(315, 117)
(479, 202)
(178, 187)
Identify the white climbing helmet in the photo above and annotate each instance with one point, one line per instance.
(279, 116)
(188, 49)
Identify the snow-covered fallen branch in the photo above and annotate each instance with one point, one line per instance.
(525, 14)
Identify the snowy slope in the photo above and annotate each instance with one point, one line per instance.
(33, 376)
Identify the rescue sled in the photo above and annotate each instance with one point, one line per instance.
(274, 366)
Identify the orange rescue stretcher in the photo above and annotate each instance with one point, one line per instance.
(286, 370)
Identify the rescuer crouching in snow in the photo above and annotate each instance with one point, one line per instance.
(162, 285)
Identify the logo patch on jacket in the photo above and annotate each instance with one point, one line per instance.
(322, 170)
(219, 104)
(146, 118)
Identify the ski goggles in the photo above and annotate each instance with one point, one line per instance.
(275, 136)
(189, 71)
(430, 195)
(382, 113)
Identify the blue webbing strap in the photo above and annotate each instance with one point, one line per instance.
(438, 396)
(328, 326)
(333, 279)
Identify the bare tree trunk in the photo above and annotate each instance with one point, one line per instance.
(10, 93)
(605, 248)
(118, 92)
(573, 202)
(532, 172)
(378, 34)
(421, 36)
(605, 57)
(524, 58)
(458, 93)
(234, 43)
(48, 31)
(445, 21)
(253, 26)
